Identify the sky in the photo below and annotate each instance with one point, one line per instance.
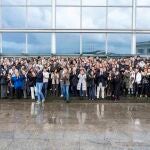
(69, 18)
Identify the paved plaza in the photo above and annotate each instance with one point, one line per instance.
(74, 126)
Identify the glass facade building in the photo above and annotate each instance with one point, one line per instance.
(74, 27)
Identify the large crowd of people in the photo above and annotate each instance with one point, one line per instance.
(92, 78)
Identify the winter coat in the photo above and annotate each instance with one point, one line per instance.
(82, 81)
(90, 80)
(39, 77)
(101, 78)
(31, 80)
(18, 82)
(66, 79)
(74, 79)
(127, 80)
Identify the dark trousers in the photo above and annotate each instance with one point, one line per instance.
(55, 89)
(45, 87)
(3, 91)
(18, 93)
(137, 89)
(74, 90)
(91, 92)
(145, 89)
(117, 92)
(11, 91)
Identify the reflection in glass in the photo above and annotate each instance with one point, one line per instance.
(93, 43)
(93, 17)
(0, 43)
(143, 44)
(39, 17)
(68, 2)
(39, 2)
(68, 17)
(13, 43)
(39, 43)
(94, 2)
(119, 44)
(13, 2)
(119, 18)
(68, 43)
(13, 17)
(120, 2)
(143, 19)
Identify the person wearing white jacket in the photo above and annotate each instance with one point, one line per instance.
(45, 81)
(82, 85)
(138, 79)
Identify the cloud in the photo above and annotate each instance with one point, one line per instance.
(13, 17)
(68, 17)
(29, 2)
(12, 47)
(120, 2)
(94, 18)
(94, 2)
(68, 2)
(143, 2)
(39, 17)
(143, 19)
(13, 2)
(120, 18)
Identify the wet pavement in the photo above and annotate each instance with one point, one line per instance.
(74, 126)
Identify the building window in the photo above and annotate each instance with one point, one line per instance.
(68, 43)
(39, 44)
(13, 43)
(119, 44)
(93, 43)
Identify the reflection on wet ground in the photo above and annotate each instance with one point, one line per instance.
(60, 126)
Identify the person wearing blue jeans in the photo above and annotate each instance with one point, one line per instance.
(45, 81)
(66, 92)
(40, 95)
(66, 83)
(39, 85)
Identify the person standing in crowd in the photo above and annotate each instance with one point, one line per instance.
(145, 83)
(17, 80)
(82, 85)
(24, 86)
(4, 84)
(91, 85)
(126, 83)
(101, 81)
(32, 82)
(61, 82)
(74, 81)
(138, 79)
(39, 86)
(45, 81)
(110, 85)
(55, 82)
(66, 83)
(131, 82)
(117, 85)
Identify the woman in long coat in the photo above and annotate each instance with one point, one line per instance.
(82, 85)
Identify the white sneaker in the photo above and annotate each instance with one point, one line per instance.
(38, 102)
(43, 100)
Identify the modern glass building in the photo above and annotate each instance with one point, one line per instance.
(74, 27)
